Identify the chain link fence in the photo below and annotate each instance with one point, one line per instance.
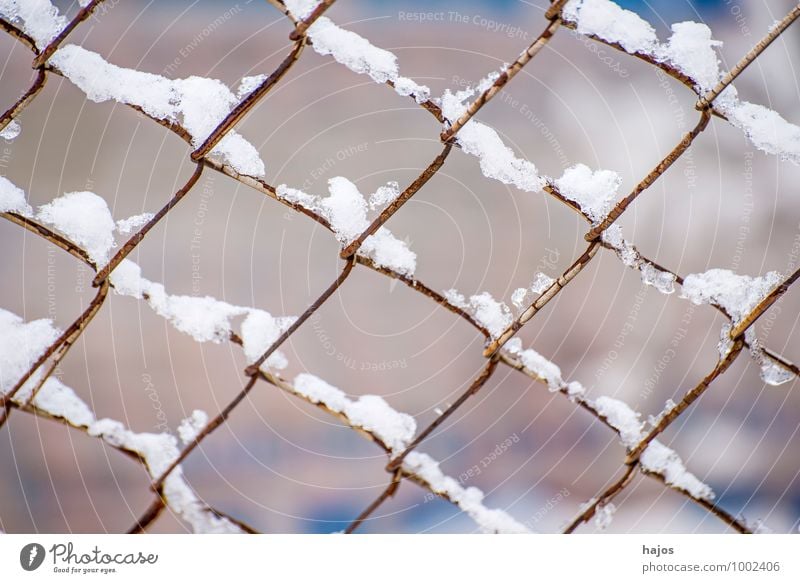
(29, 388)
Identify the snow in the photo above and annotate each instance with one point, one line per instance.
(690, 49)
(493, 315)
(766, 129)
(384, 195)
(375, 415)
(470, 500)
(660, 459)
(385, 250)
(737, 294)
(541, 282)
(205, 319)
(518, 297)
(656, 458)
(21, 344)
(11, 131)
(259, 331)
(345, 208)
(622, 418)
(604, 515)
(39, 19)
(59, 400)
(545, 369)
(248, 84)
(360, 56)
(301, 9)
(192, 425)
(770, 371)
(594, 192)
(353, 51)
(370, 412)
(85, 219)
(12, 198)
(608, 21)
(198, 103)
(663, 281)
(575, 390)
(134, 223)
(497, 161)
(159, 451)
(612, 236)
(318, 390)
(455, 298)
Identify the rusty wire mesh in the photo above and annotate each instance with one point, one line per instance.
(495, 353)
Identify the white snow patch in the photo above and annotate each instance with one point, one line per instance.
(11, 131)
(345, 208)
(541, 282)
(608, 21)
(39, 19)
(660, 459)
(622, 418)
(360, 56)
(248, 84)
(205, 319)
(594, 192)
(85, 219)
(198, 103)
(259, 331)
(131, 224)
(370, 412)
(21, 344)
(604, 515)
(470, 500)
(386, 250)
(493, 315)
(192, 426)
(301, 8)
(497, 161)
(543, 368)
(663, 281)
(12, 198)
(737, 294)
(770, 371)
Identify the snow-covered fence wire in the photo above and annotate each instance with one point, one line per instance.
(204, 113)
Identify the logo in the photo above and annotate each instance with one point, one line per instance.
(31, 556)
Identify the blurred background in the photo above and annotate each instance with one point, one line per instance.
(281, 465)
